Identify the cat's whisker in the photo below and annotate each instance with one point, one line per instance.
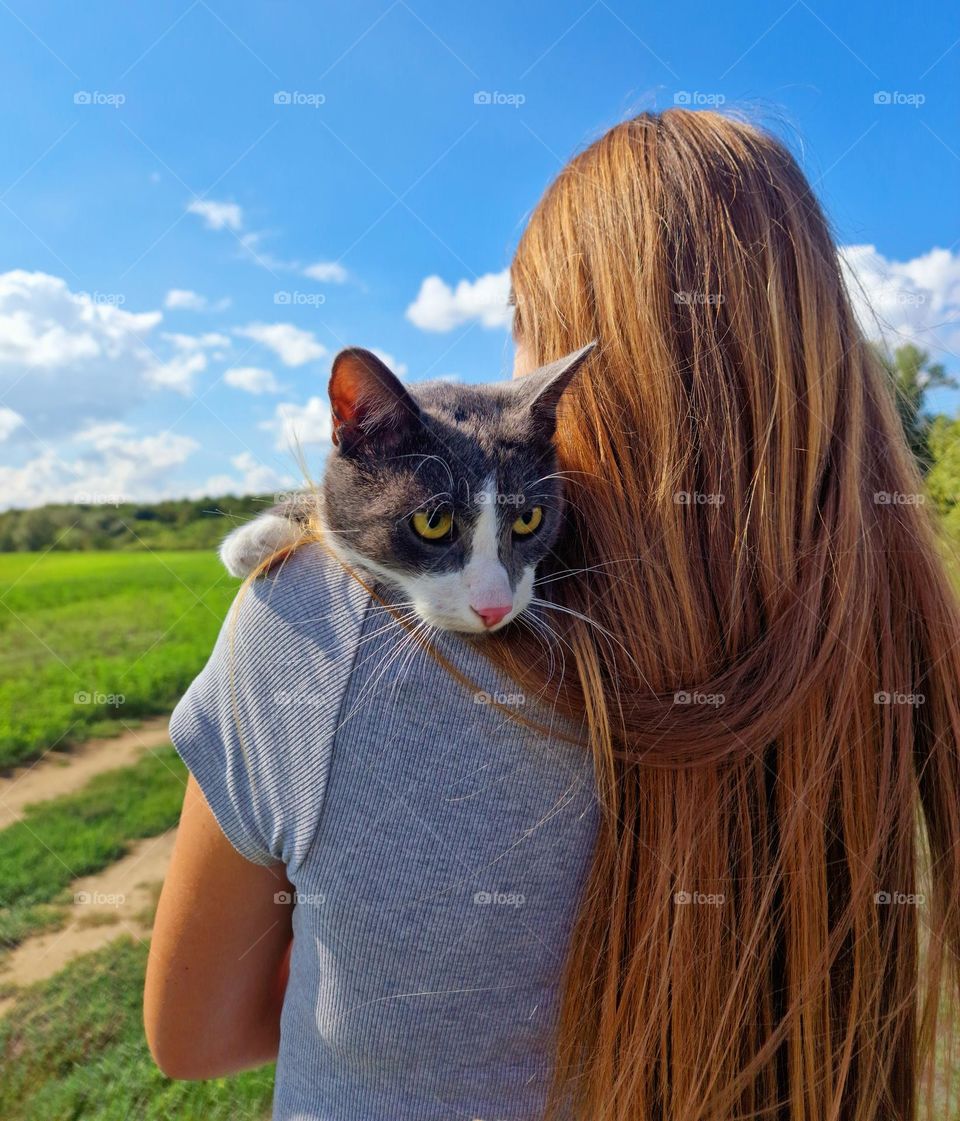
(550, 637)
(426, 502)
(408, 614)
(532, 624)
(579, 571)
(415, 648)
(600, 629)
(378, 674)
(564, 476)
(242, 518)
(544, 627)
(524, 620)
(370, 639)
(399, 611)
(425, 458)
(408, 649)
(394, 622)
(374, 606)
(561, 506)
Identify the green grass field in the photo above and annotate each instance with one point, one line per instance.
(88, 639)
(77, 633)
(73, 1048)
(78, 834)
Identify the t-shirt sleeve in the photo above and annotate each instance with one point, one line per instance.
(256, 727)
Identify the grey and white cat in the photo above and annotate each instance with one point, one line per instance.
(448, 493)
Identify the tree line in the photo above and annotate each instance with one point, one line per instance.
(183, 523)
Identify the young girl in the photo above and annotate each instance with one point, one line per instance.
(716, 876)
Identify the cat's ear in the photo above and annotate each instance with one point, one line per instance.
(542, 389)
(366, 397)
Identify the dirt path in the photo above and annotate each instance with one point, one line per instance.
(63, 772)
(115, 901)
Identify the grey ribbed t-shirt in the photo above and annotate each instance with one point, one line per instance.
(438, 850)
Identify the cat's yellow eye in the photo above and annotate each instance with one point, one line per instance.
(433, 526)
(528, 521)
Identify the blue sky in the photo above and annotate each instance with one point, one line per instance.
(200, 203)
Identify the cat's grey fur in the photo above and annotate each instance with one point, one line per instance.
(483, 452)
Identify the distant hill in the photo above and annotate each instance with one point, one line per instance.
(130, 526)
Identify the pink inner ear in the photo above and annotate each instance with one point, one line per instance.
(346, 384)
(365, 395)
(349, 379)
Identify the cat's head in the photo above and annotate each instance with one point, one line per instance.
(448, 492)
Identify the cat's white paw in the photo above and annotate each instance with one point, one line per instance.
(248, 546)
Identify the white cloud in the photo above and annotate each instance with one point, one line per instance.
(211, 340)
(162, 450)
(229, 215)
(292, 345)
(399, 368)
(255, 478)
(251, 379)
(453, 379)
(217, 215)
(326, 272)
(178, 373)
(43, 324)
(256, 252)
(438, 307)
(110, 463)
(915, 301)
(65, 356)
(10, 421)
(295, 425)
(183, 299)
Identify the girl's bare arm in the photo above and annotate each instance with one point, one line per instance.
(219, 955)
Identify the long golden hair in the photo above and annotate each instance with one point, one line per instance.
(750, 609)
(755, 619)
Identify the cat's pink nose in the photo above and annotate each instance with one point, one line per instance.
(492, 615)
